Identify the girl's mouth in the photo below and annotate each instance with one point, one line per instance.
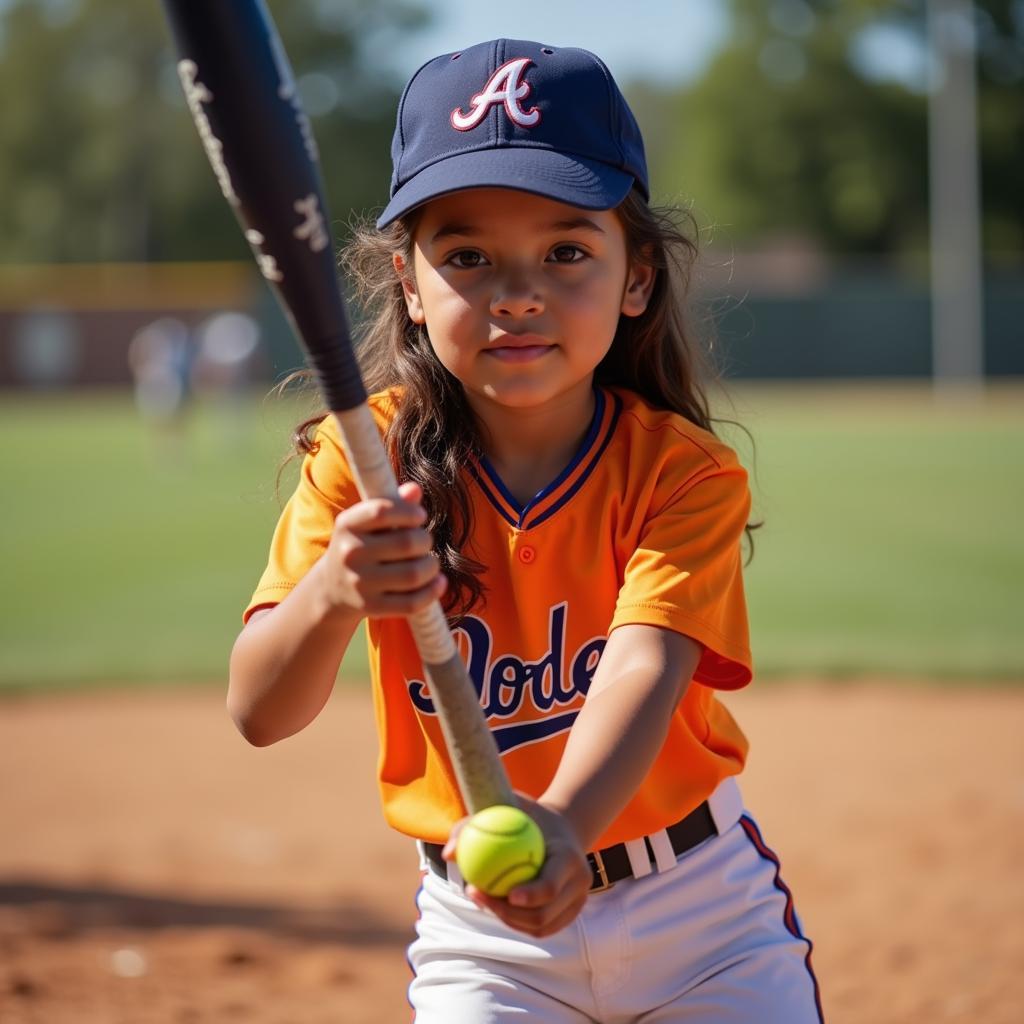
(519, 353)
(519, 348)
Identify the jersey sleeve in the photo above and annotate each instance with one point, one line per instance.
(685, 574)
(325, 487)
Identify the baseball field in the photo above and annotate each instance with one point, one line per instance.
(153, 868)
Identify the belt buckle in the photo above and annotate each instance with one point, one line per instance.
(597, 863)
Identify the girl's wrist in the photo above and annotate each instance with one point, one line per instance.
(326, 610)
(564, 808)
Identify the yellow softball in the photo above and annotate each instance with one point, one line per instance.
(499, 848)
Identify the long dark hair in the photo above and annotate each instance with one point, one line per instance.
(434, 433)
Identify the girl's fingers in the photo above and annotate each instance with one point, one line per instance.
(539, 921)
(411, 492)
(394, 545)
(563, 884)
(545, 905)
(549, 902)
(544, 921)
(568, 915)
(381, 514)
(402, 577)
(401, 605)
(380, 560)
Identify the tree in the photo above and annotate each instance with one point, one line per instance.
(99, 159)
(787, 130)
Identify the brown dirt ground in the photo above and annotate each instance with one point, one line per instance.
(153, 868)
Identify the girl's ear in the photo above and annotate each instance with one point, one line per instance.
(412, 298)
(639, 285)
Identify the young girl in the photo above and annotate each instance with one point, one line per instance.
(565, 497)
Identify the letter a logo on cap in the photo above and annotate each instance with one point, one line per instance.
(505, 86)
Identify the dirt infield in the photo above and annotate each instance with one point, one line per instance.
(153, 868)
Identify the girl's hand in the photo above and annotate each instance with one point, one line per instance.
(551, 901)
(379, 561)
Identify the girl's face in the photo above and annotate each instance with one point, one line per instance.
(520, 295)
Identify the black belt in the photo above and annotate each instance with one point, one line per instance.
(611, 864)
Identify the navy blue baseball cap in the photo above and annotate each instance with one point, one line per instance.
(515, 114)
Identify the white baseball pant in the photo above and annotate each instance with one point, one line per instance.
(711, 937)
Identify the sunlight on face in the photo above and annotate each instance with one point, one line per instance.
(521, 295)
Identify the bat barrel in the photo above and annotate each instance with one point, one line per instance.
(242, 95)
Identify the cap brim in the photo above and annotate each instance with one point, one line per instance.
(588, 184)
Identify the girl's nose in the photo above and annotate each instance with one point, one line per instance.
(516, 296)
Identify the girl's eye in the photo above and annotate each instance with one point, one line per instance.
(466, 259)
(568, 254)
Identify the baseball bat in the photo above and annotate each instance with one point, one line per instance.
(240, 90)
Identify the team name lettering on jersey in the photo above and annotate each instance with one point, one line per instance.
(505, 683)
(505, 86)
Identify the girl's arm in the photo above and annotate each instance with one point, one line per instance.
(283, 664)
(643, 673)
(285, 660)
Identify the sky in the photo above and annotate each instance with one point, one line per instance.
(668, 42)
(671, 40)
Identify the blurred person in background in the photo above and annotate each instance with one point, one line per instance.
(160, 356)
(222, 368)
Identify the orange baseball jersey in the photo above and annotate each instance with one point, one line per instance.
(643, 526)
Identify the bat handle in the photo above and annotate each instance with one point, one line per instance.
(474, 754)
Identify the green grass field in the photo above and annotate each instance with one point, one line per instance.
(891, 543)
